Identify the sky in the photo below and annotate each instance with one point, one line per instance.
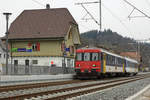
(114, 15)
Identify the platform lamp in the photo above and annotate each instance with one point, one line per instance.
(7, 18)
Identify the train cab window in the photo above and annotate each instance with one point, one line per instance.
(79, 57)
(95, 57)
(86, 56)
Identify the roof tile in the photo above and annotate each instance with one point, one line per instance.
(43, 23)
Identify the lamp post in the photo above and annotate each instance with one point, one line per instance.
(64, 55)
(7, 18)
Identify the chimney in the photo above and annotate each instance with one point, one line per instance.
(47, 6)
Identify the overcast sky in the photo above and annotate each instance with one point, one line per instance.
(114, 14)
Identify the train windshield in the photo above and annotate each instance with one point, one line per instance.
(95, 57)
(87, 56)
(79, 57)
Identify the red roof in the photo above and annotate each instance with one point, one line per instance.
(43, 23)
(133, 55)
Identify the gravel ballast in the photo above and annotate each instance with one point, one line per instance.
(121, 92)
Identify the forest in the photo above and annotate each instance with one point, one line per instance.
(116, 43)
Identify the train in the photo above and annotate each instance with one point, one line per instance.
(98, 62)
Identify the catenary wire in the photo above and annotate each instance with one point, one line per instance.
(38, 3)
(117, 18)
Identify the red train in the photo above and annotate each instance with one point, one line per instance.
(99, 62)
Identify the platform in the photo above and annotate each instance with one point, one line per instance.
(25, 78)
(141, 95)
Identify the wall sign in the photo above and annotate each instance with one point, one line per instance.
(67, 49)
(21, 50)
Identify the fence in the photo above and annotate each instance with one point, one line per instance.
(36, 70)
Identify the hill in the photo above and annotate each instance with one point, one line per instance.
(117, 43)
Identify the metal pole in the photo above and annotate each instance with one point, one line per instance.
(64, 64)
(140, 65)
(64, 54)
(100, 14)
(7, 18)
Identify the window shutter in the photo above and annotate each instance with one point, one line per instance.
(29, 45)
(62, 47)
(38, 46)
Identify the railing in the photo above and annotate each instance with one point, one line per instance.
(35, 70)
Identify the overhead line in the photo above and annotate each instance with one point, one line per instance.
(90, 14)
(86, 3)
(84, 26)
(38, 3)
(116, 17)
(92, 17)
(136, 9)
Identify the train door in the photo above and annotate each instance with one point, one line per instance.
(103, 62)
(124, 69)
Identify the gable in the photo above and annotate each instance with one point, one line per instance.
(44, 23)
(73, 34)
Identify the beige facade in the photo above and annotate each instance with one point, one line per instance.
(47, 47)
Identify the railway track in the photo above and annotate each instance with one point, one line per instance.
(73, 91)
(38, 85)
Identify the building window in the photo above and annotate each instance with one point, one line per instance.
(16, 62)
(26, 62)
(34, 46)
(0, 55)
(34, 61)
(4, 55)
(68, 63)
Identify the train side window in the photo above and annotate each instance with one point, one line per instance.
(113, 60)
(119, 61)
(116, 61)
(109, 59)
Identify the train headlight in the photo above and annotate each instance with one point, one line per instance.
(79, 65)
(94, 65)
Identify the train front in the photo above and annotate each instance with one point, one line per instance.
(88, 62)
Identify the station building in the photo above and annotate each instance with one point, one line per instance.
(44, 37)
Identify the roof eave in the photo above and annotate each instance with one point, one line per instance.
(49, 38)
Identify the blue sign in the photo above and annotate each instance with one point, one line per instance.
(21, 50)
(67, 49)
(29, 50)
